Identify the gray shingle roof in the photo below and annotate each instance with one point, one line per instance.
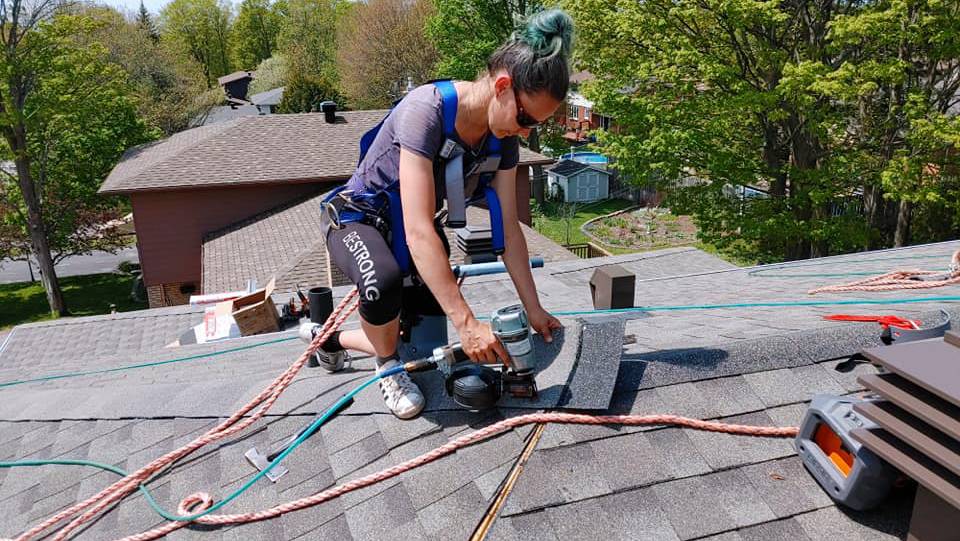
(286, 242)
(567, 168)
(270, 97)
(259, 149)
(745, 365)
(225, 113)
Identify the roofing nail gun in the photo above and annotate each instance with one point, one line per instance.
(478, 387)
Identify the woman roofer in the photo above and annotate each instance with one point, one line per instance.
(383, 225)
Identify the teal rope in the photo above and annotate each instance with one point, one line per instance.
(314, 426)
(765, 272)
(144, 365)
(950, 298)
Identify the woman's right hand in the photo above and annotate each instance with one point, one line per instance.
(480, 344)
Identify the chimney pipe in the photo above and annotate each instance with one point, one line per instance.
(329, 109)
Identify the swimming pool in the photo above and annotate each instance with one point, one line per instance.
(592, 158)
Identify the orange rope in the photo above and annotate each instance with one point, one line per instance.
(900, 279)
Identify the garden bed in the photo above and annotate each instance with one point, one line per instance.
(642, 229)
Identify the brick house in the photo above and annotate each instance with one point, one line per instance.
(578, 114)
(208, 179)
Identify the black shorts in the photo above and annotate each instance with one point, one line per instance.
(364, 255)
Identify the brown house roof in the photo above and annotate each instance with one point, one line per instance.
(235, 76)
(287, 243)
(253, 150)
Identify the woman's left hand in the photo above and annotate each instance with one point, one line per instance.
(543, 323)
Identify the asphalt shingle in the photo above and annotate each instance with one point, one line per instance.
(755, 366)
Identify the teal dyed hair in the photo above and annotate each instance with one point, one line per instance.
(536, 56)
(549, 33)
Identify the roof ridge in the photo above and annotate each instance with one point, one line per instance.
(207, 131)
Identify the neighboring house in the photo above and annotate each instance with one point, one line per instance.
(578, 182)
(235, 86)
(578, 114)
(200, 181)
(748, 365)
(267, 102)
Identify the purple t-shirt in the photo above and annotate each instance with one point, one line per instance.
(416, 124)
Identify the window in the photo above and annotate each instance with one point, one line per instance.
(605, 122)
(574, 112)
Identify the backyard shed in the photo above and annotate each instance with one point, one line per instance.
(578, 182)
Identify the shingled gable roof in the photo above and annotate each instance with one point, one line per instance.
(753, 366)
(287, 243)
(568, 168)
(263, 149)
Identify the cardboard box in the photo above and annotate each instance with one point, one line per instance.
(255, 313)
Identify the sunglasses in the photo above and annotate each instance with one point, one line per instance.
(523, 119)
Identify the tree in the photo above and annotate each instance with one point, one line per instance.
(171, 88)
(254, 32)
(308, 38)
(145, 23)
(901, 86)
(818, 102)
(465, 32)
(271, 73)
(381, 44)
(304, 95)
(67, 117)
(711, 90)
(200, 29)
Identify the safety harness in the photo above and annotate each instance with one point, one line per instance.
(382, 208)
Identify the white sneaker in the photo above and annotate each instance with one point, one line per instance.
(331, 362)
(400, 393)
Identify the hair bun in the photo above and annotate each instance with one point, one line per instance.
(549, 33)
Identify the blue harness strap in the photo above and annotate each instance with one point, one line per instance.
(450, 151)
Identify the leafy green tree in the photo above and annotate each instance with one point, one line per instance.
(901, 86)
(170, 87)
(271, 73)
(816, 102)
(308, 38)
(465, 32)
(254, 32)
(67, 117)
(199, 29)
(381, 44)
(304, 95)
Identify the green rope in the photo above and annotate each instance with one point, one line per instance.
(144, 365)
(766, 272)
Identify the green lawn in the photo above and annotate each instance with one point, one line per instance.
(23, 302)
(550, 222)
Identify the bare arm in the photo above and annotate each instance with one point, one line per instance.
(517, 256)
(418, 197)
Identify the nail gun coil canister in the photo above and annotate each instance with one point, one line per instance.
(510, 326)
(849, 472)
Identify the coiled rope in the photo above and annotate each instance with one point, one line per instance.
(900, 279)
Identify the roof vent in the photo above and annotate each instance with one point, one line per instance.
(329, 109)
